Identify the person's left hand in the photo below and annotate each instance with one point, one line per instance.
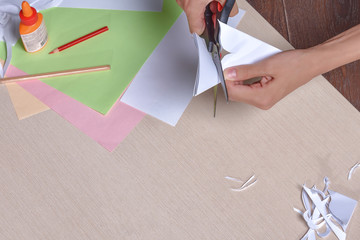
(195, 9)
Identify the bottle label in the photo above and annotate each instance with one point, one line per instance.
(36, 40)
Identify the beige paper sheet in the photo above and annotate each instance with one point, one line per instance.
(168, 183)
(25, 104)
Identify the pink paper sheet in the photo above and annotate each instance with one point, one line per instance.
(107, 130)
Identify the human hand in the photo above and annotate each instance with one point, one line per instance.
(195, 9)
(280, 75)
(286, 71)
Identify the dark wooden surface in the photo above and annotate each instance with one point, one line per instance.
(306, 23)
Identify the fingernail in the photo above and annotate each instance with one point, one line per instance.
(230, 74)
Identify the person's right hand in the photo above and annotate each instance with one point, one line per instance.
(280, 75)
(195, 9)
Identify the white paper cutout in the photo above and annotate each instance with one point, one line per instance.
(250, 182)
(352, 170)
(341, 208)
(328, 210)
(242, 48)
(246, 50)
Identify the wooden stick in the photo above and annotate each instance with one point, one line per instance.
(54, 74)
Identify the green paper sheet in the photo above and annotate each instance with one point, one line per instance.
(131, 39)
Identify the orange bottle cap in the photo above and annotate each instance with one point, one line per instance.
(28, 14)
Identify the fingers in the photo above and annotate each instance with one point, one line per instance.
(234, 11)
(264, 80)
(195, 14)
(263, 94)
(196, 23)
(257, 94)
(194, 10)
(244, 72)
(243, 93)
(196, 18)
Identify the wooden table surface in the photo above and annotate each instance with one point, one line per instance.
(165, 182)
(310, 22)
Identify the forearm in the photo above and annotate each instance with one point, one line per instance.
(337, 51)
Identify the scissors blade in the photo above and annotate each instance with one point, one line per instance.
(215, 99)
(217, 62)
(225, 12)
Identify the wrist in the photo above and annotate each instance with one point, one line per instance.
(337, 51)
(312, 60)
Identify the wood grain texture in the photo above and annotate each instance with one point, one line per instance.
(311, 22)
(273, 11)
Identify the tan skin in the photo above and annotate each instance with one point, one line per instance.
(284, 72)
(195, 9)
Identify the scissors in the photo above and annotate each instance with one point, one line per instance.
(215, 11)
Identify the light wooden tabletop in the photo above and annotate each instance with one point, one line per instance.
(168, 182)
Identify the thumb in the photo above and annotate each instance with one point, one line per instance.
(243, 72)
(234, 11)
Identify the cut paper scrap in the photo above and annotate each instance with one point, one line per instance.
(130, 41)
(109, 131)
(330, 210)
(163, 87)
(250, 182)
(130, 5)
(342, 208)
(242, 48)
(352, 170)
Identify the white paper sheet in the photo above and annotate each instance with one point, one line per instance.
(130, 5)
(163, 86)
(242, 48)
(207, 76)
(245, 50)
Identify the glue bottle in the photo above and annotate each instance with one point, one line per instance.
(32, 28)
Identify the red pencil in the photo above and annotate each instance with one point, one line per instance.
(79, 40)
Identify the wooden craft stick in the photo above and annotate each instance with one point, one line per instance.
(55, 74)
